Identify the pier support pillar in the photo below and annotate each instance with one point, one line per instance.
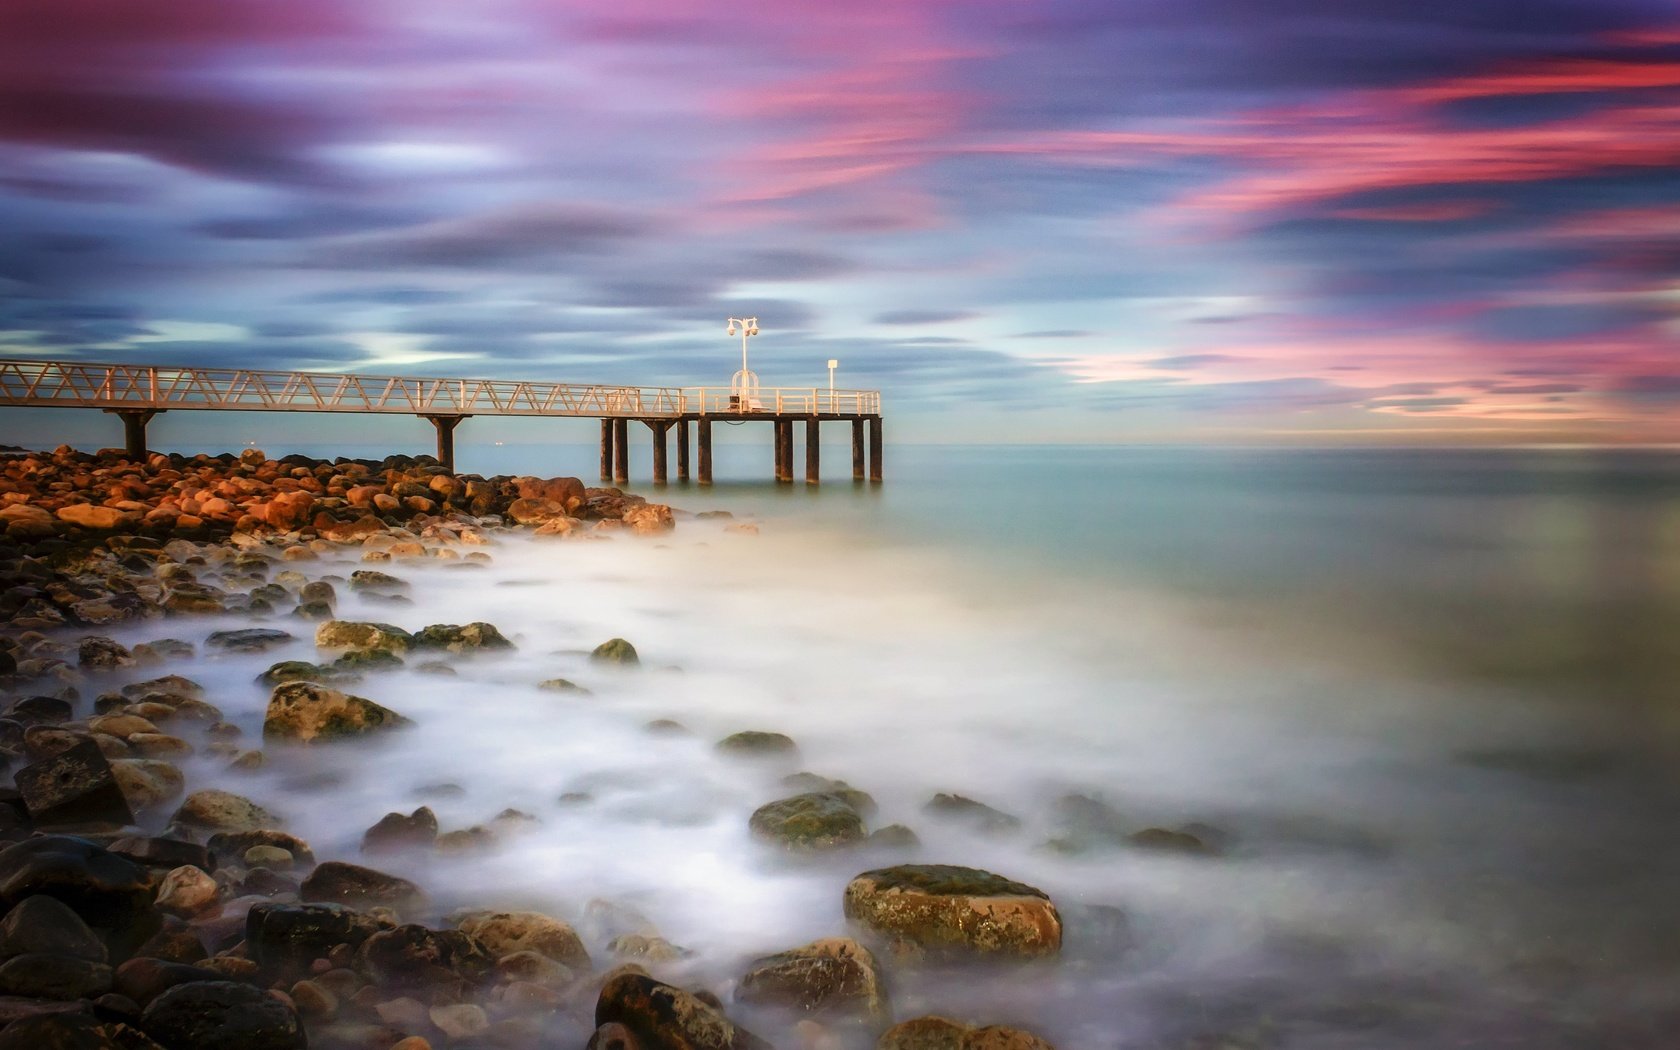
(682, 450)
(784, 450)
(134, 422)
(874, 448)
(813, 450)
(857, 450)
(606, 449)
(703, 438)
(621, 451)
(445, 426)
(660, 449)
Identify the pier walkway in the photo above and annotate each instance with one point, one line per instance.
(138, 393)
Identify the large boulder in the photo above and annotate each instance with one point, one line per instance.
(945, 909)
(352, 634)
(395, 832)
(222, 1015)
(336, 882)
(41, 976)
(415, 955)
(215, 810)
(460, 638)
(248, 639)
(42, 925)
(811, 821)
(649, 518)
(535, 511)
(90, 516)
(568, 492)
(836, 975)
(662, 1017)
(615, 651)
(287, 938)
(504, 933)
(109, 892)
(75, 786)
(307, 711)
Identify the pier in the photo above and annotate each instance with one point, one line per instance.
(137, 394)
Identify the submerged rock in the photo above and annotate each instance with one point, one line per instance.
(287, 938)
(834, 975)
(352, 634)
(615, 651)
(217, 810)
(506, 933)
(374, 580)
(950, 910)
(755, 743)
(249, 640)
(811, 821)
(43, 925)
(415, 955)
(338, 883)
(662, 1017)
(108, 891)
(965, 810)
(304, 671)
(306, 711)
(460, 638)
(222, 1015)
(395, 832)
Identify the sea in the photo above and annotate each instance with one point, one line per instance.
(1420, 708)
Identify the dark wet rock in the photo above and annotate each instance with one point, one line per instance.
(41, 976)
(812, 821)
(222, 1015)
(216, 810)
(287, 938)
(811, 782)
(351, 634)
(248, 640)
(42, 925)
(306, 711)
(374, 580)
(437, 667)
(651, 947)
(894, 836)
(754, 743)
(961, 809)
(460, 639)
(41, 742)
(304, 671)
(76, 786)
(667, 727)
(315, 612)
(164, 649)
(147, 783)
(834, 975)
(662, 1017)
(561, 685)
(615, 651)
(175, 941)
(504, 933)
(338, 883)
(358, 660)
(111, 894)
(59, 1026)
(395, 832)
(1169, 841)
(950, 910)
(169, 684)
(98, 653)
(40, 711)
(164, 853)
(415, 955)
(233, 845)
(318, 591)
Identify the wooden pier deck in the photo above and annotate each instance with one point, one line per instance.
(138, 393)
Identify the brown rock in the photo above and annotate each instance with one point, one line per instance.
(306, 711)
(662, 1017)
(834, 975)
(504, 933)
(947, 909)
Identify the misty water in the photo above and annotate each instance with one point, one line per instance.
(1424, 704)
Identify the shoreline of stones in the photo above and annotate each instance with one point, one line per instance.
(220, 929)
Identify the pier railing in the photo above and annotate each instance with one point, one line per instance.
(159, 388)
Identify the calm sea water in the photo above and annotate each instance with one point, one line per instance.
(1426, 703)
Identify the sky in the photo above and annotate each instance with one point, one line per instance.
(1266, 221)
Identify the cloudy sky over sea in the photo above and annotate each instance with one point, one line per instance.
(1022, 219)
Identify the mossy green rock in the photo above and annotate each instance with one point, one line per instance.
(754, 742)
(463, 637)
(836, 975)
(615, 651)
(367, 660)
(351, 634)
(303, 671)
(947, 910)
(307, 711)
(811, 821)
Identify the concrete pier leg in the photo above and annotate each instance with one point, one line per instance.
(857, 450)
(784, 450)
(621, 451)
(134, 422)
(813, 450)
(606, 449)
(682, 450)
(660, 450)
(445, 426)
(703, 437)
(874, 448)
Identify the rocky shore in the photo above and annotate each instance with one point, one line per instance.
(144, 904)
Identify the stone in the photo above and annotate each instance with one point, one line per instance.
(504, 933)
(660, 1016)
(649, 518)
(234, 844)
(217, 810)
(535, 511)
(858, 800)
(186, 890)
(89, 516)
(248, 640)
(41, 976)
(944, 909)
(287, 938)
(351, 634)
(306, 711)
(460, 638)
(304, 671)
(119, 725)
(165, 853)
(163, 649)
(961, 809)
(615, 651)
(314, 1000)
(415, 955)
(894, 836)
(110, 893)
(42, 925)
(374, 580)
(813, 821)
(98, 653)
(271, 857)
(997, 1037)
(159, 746)
(924, 1033)
(63, 1026)
(754, 743)
(395, 832)
(561, 685)
(144, 978)
(147, 783)
(460, 1020)
(357, 660)
(169, 684)
(834, 975)
(40, 711)
(338, 883)
(1168, 841)
(222, 1015)
(76, 786)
